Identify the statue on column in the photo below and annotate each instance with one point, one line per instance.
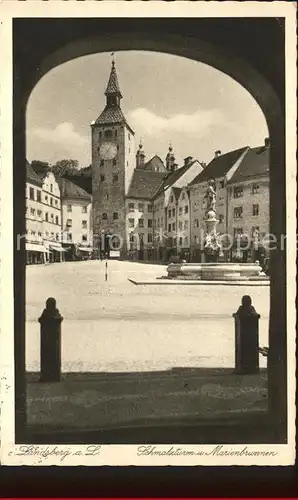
(211, 196)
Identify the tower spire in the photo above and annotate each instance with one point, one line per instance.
(140, 156)
(113, 92)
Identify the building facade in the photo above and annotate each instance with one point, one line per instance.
(248, 206)
(76, 220)
(52, 218)
(35, 249)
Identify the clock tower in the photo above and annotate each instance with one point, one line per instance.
(113, 163)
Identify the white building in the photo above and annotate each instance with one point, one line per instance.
(76, 219)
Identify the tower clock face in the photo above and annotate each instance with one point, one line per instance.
(108, 150)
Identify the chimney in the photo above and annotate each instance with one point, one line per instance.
(187, 160)
(217, 153)
(267, 142)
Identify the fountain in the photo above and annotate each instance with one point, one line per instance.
(211, 269)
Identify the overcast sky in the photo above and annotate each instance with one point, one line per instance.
(165, 99)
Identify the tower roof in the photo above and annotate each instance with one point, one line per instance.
(113, 84)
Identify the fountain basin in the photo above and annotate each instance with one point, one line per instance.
(215, 271)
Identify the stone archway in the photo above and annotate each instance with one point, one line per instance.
(221, 56)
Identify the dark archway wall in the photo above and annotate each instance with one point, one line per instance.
(251, 50)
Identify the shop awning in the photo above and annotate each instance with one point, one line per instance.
(85, 249)
(57, 247)
(35, 247)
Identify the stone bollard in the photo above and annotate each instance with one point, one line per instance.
(50, 342)
(246, 338)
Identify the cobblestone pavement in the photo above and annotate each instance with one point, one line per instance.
(117, 326)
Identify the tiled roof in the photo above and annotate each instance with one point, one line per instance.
(31, 175)
(144, 183)
(113, 84)
(156, 164)
(111, 115)
(171, 177)
(69, 189)
(41, 171)
(219, 166)
(254, 164)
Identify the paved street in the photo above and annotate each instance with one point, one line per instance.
(117, 326)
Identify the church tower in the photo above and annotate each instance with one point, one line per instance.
(113, 163)
(140, 156)
(170, 160)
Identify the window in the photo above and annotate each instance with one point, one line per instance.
(186, 240)
(51, 188)
(51, 201)
(149, 222)
(171, 199)
(180, 225)
(57, 219)
(169, 228)
(84, 237)
(238, 212)
(180, 210)
(46, 197)
(117, 147)
(52, 217)
(69, 208)
(84, 209)
(33, 233)
(31, 193)
(238, 231)
(115, 177)
(108, 133)
(255, 209)
(197, 223)
(52, 235)
(102, 178)
(183, 196)
(173, 212)
(38, 195)
(255, 231)
(115, 133)
(131, 207)
(221, 184)
(221, 217)
(84, 224)
(141, 222)
(102, 162)
(39, 234)
(69, 237)
(186, 224)
(115, 216)
(69, 223)
(131, 238)
(56, 203)
(129, 137)
(255, 188)
(131, 222)
(170, 213)
(39, 213)
(186, 209)
(238, 192)
(104, 216)
(180, 241)
(114, 162)
(99, 135)
(149, 208)
(141, 207)
(47, 217)
(32, 211)
(57, 236)
(174, 226)
(149, 238)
